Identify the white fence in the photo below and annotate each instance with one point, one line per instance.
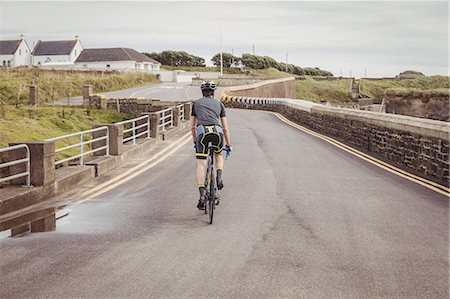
(25, 161)
(132, 128)
(181, 112)
(83, 140)
(165, 119)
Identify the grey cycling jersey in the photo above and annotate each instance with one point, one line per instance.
(208, 111)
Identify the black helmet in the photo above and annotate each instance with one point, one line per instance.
(208, 85)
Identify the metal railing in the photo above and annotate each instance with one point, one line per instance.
(165, 119)
(25, 160)
(181, 111)
(134, 128)
(80, 145)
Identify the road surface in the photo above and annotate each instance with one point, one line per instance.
(298, 218)
(167, 91)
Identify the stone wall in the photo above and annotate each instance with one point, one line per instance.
(421, 146)
(130, 106)
(278, 88)
(426, 104)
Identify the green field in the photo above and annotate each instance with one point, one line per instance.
(336, 91)
(54, 85)
(377, 88)
(28, 123)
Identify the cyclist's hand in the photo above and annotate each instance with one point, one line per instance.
(228, 148)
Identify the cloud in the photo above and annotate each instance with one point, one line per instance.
(323, 34)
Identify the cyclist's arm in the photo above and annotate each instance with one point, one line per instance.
(193, 127)
(226, 132)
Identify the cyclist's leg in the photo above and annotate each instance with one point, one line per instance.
(219, 157)
(201, 154)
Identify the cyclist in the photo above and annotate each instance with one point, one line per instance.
(209, 124)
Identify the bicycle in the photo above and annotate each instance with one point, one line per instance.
(210, 182)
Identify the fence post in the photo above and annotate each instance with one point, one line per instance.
(87, 93)
(34, 95)
(187, 110)
(176, 116)
(115, 140)
(154, 125)
(42, 163)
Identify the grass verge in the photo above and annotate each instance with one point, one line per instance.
(54, 85)
(39, 123)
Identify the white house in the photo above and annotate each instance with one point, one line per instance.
(116, 59)
(48, 53)
(14, 53)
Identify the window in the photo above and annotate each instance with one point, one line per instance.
(4, 63)
(108, 65)
(84, 65)
(20, 52)
(9, 63)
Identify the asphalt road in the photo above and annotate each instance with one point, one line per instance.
(298, 218)
(167, 91)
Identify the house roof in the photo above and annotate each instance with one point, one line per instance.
(9, 46)
(59, 47)
(113, 54)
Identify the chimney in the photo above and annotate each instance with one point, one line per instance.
(22, 36)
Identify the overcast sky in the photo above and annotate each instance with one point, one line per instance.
(383, 37)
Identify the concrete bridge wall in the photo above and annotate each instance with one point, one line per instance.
(277, 88)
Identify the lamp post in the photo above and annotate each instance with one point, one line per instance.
(221, 55)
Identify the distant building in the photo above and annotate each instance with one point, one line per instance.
(116, 59)
(58, 53)
(14, 53)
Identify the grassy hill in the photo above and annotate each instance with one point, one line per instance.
(377, 88)
(335, 91)
(39, 123)
(54, 85)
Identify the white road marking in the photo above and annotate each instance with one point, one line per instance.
(142, 90)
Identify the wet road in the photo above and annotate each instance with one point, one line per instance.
(167, 91)
(299, 218)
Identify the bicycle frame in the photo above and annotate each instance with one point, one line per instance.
(210, 184)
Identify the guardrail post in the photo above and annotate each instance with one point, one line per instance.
(154, 125)
(187, 110)
(34, 95)
(87, 93)
(42, 163)
(176, 116)
(115, 136)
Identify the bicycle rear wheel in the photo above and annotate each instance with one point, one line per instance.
(212, 197)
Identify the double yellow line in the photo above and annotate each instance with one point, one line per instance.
(392, 169)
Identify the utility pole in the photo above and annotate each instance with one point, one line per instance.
(341, 72)
(365, 72)
(350, 73)
(286, 62)
(253, 49)
(221, 50)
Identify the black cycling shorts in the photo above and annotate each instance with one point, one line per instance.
(205, 135)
